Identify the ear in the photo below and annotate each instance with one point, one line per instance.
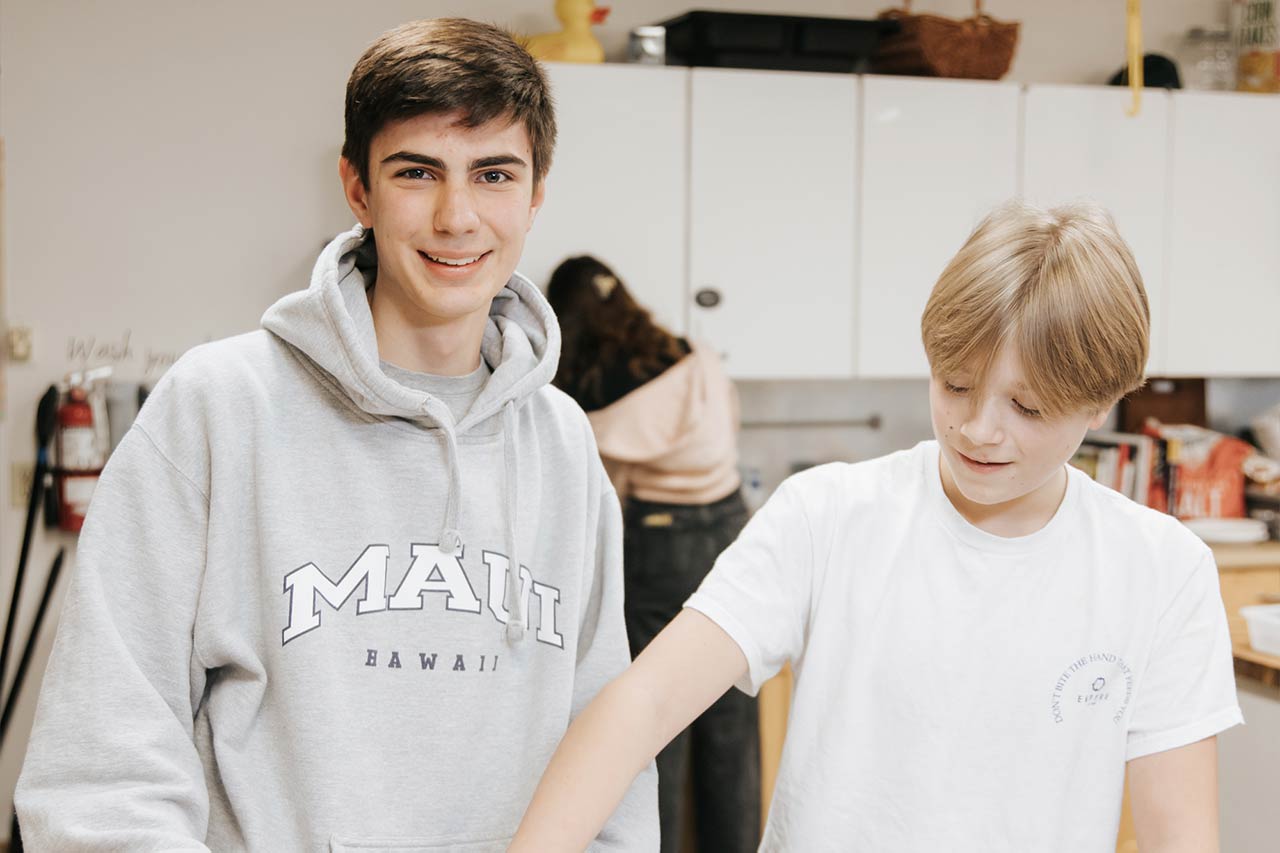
(539, 195)
(1100, 418)
(356, 192)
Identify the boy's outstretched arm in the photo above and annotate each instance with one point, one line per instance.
(1174, 796)
(680, 673)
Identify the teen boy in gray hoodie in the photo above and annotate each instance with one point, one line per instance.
(297, 621)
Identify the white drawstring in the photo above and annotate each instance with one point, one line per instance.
(515, 613)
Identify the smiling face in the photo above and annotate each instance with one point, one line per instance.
(449, 206)
(1000, 454)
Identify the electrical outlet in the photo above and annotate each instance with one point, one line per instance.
(20, 484)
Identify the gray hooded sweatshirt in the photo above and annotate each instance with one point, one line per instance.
(293, 623)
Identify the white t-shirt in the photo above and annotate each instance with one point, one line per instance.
(959, 691)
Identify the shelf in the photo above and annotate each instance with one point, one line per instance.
(1256, 665)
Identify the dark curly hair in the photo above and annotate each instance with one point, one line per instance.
(603, 329)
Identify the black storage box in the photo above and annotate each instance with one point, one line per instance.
(779, 42)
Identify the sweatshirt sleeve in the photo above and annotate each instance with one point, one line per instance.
(111, 764)
(603, 654)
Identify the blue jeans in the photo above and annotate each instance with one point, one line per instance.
(668, 550)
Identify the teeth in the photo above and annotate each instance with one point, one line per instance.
(454, 262)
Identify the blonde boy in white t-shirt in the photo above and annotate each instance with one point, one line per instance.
(982, 637)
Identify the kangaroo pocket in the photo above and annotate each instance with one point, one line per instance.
(416, 845)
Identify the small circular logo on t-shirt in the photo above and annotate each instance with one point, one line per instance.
(1097, 683)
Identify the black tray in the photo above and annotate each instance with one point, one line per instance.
(779, 42)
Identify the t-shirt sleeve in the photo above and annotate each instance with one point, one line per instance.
(758, 591)
(1188, 691)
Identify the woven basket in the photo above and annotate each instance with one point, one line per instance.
(979, 48)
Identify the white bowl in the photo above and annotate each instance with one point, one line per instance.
(1224, 531)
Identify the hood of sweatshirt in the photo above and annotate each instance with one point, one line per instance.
(330, 323)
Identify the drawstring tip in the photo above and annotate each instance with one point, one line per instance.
(515, 631)
(450, 542)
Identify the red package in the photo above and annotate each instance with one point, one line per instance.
(1207, 470)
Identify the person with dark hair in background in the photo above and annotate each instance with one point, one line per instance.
(665, 418)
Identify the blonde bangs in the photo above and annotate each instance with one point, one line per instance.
(1061, 286)
(963, 327)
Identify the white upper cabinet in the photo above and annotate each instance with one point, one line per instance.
(797, 222)
(936, 156)
(1223, 312)
(1079, 144)
(772, 220)
(618, 182)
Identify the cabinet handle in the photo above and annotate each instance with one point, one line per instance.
(707, 297)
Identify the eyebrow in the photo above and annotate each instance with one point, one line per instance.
(438, 164)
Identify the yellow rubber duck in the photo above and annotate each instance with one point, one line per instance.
(574, 43)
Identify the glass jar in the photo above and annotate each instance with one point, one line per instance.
(1209, 60)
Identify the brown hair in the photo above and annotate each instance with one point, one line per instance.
(602, 325)
(445, 65)
(1063, 287)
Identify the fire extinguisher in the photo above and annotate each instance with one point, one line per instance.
(79, 455)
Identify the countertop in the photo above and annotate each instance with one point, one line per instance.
(1235, 557)
(1249, 574)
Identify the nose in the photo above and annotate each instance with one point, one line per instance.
(982, 426)
(455, 210)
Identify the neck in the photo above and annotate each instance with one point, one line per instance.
(1019, 517)
(415, 341)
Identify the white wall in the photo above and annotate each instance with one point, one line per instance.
(139, 133)
(1081, 41)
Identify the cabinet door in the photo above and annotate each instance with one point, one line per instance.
(1080, 144)
(772, 205)
(617, 185)
(937, 155)
(1224, 247)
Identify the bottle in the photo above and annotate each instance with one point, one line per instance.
(1255, 28)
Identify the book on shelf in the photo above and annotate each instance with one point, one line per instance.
(1183, 470)
(1133, 464)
